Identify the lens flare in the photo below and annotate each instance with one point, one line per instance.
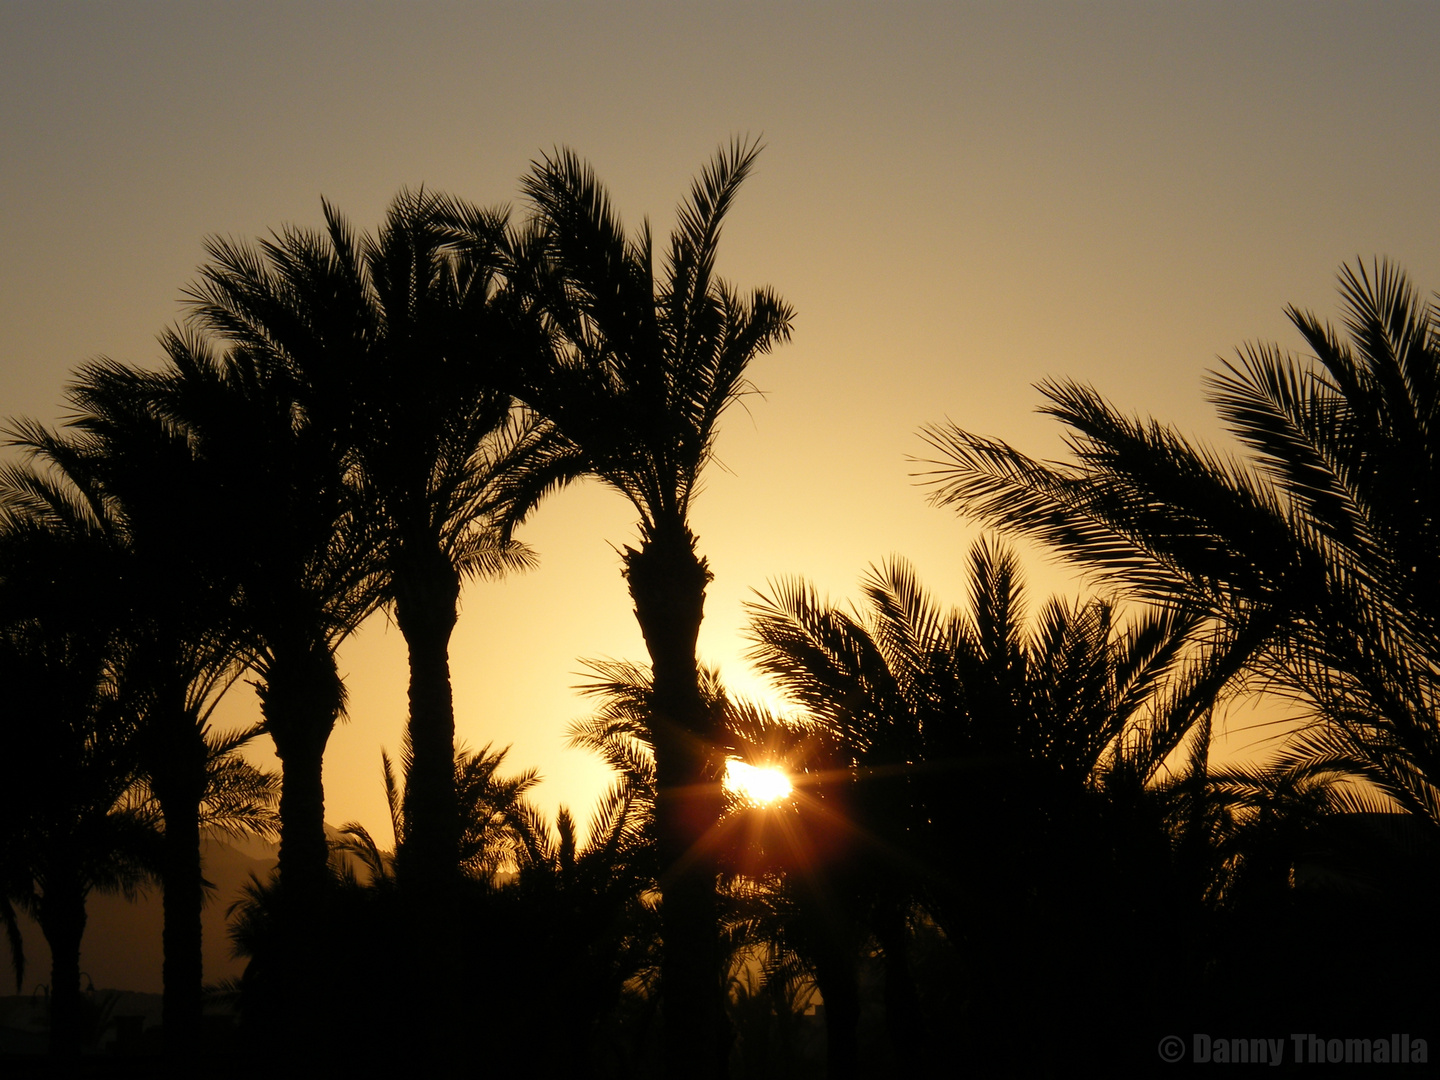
(758, 786)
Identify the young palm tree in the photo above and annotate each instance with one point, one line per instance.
(1319, 556)
(639, 373)
(591, 904)
(577, 918)
(905, 683)
(390, 341)
(494, 819)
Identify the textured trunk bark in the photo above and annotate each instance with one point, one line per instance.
(667, 582)
(301, 700)
(427, 592)
(303, 848)
(425, 609)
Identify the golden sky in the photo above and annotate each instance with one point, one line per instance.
(959, 200)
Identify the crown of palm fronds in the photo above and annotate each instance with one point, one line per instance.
(395, 344)
(1318, 558)
(619, 730)
(640, 370)
(904, 681)
(498, 827)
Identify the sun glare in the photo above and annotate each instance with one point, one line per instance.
(759, 786)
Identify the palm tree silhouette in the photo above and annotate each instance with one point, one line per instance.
(300, 564)
(970, 764)
(70, 811)
(1319, 556)
(242, 507)
(802, 874)
(577, 911)
(638, 376)
(390, 342)
(495, 821)
(119, 477)
(596, 925)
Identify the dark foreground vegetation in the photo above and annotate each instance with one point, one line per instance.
(1007, 848)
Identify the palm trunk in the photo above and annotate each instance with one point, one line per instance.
(304, 854)
(425, 609)
(62, 920)
(838, 981)
(301, 700)
(427, 864)
(183, 898)
(303, 848)
(667, 582)
(902, 1004)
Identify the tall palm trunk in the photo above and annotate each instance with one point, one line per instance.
(299, 718)
(667, 582)
(301, 700)
(303, 849)
(183, 969)
(427, 592)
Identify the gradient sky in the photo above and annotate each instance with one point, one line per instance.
(958, 199)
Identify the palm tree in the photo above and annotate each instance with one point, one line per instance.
(910, 689)
(591, 904)
(389, 342)
(639, 373)
(70, 811)
(576, 915)
(302, 568)
(300, 563)
(235, 538)
(119, 476)
(1319, 555)
(494, 821)
(978, 767)
(803, 872)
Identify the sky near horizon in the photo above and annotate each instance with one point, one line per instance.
(959, 200)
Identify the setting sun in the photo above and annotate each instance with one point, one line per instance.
(759, 786)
